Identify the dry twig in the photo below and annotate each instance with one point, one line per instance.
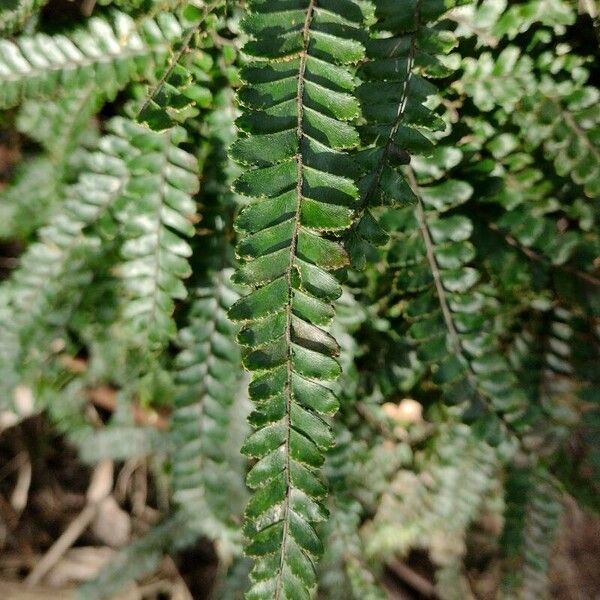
(100, 487)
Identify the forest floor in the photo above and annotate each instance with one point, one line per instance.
(53, 536)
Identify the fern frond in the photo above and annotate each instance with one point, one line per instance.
(179, 92)
(297, 100)
(521, 17)
(344, 573)
(156, 211)
(533, 510)
(56, 264)
(14, 14)
(529, 199)
(560, 115)
(432, 509)
(407, 49)
(544, 217)
(501, 80)
(445, 309)
(59, 125)
(31, 195)
(106, 53)
(207, 481)
(120, 442)
(38, 186)
(9, 353)
(126, 5)
(565, 120)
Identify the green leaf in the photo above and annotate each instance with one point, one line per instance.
(294, 143)
(155, 214)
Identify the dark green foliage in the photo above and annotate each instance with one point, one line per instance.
(445, 309)
(533, 509)
(294, 141)
(392, 94)
(385, 211)
(207, 468)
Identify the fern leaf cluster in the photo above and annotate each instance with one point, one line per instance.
(329, 266)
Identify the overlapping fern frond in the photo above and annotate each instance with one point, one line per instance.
(207, 481)
(108, 53)
(406, 50)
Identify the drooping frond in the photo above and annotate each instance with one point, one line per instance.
(445, 310)
(433, 509)
(125, 5)
(55, 266)
(155, 212)
(490, 21)
(533, 508)
(25, 203)
(344, 573)
(207, 477)
(406, 51)
(107, 53)
(9, 354)
(38, 186)
(297, 100)
(555, 112)
(542, 227)
(565, 120)
(500, 80)
(449, 148)
(58, 125)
